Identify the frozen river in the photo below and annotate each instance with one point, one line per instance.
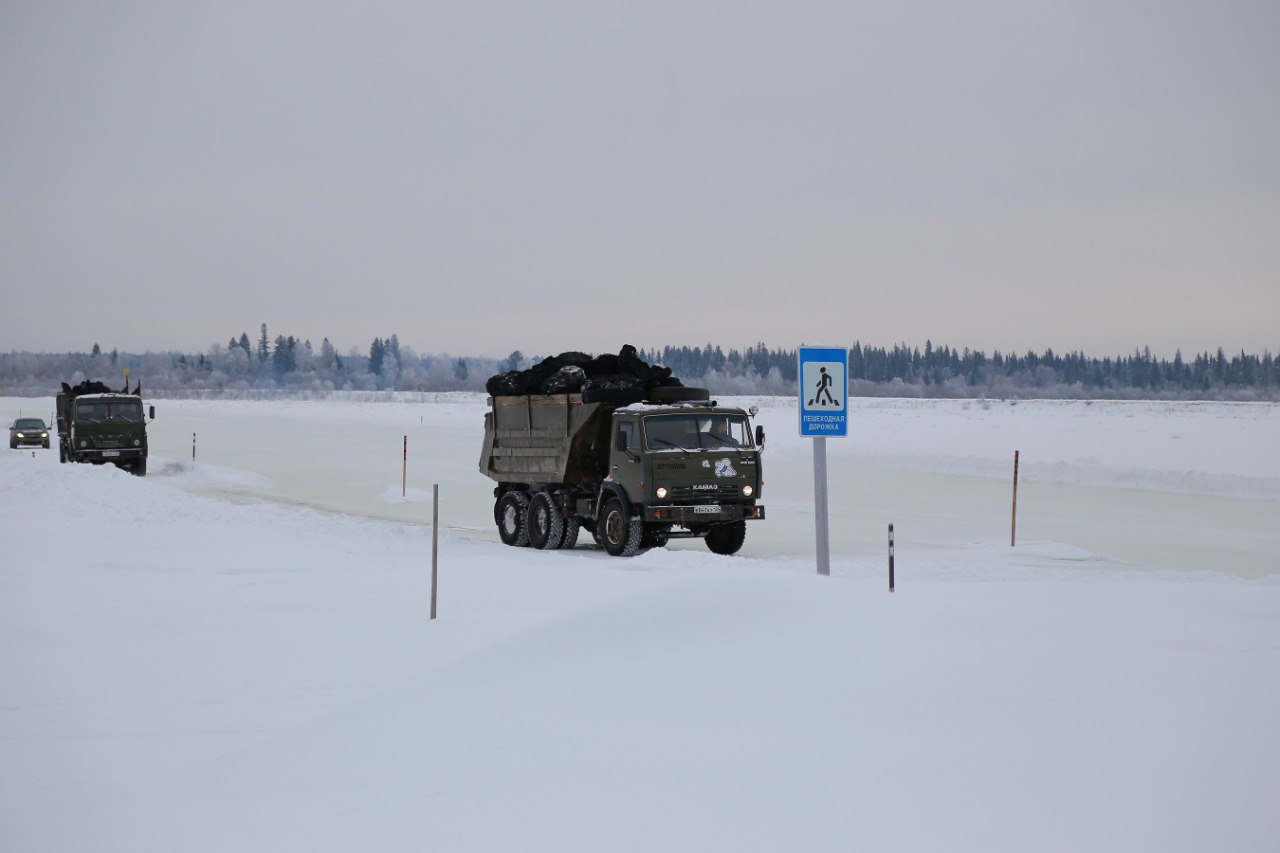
(1186, 486)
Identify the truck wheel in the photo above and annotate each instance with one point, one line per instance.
(727, 538)
(544, 523)
(571, 527)
(62, 453)
(139, 468)
(509, 513)
(620, 534)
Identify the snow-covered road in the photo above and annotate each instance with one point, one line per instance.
(187, 666)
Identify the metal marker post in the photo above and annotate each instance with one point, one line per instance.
(1013, 525)
(435, 541)
(193, 447)
(404, 471)
(821, 531)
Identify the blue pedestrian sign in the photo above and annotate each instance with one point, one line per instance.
(824, 391)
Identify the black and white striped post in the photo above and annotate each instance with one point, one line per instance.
(404, 471)
(891, 558)
(193, 447)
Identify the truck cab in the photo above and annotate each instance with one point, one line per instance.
(688, 470)
(102, 428)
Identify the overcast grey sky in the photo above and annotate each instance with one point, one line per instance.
(483, 177)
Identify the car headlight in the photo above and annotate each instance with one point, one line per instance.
(661, 493)
(44, 435)
(748, 491)
(20, 435)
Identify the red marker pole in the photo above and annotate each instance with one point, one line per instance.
(404, 473)
(1013, 526)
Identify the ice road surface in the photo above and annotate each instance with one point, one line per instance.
(213, 658)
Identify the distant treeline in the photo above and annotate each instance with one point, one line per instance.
(903, 370)
(265, 364)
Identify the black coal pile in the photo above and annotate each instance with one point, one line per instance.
(621, 378)
(90, 386)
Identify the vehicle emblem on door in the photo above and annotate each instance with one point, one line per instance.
(724, 468)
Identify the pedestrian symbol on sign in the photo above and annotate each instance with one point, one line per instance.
(824, 388)
(821, 382)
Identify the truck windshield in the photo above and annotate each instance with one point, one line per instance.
(709, 431)
(109, 410)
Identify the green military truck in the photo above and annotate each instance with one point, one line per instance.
(102, 426)
(634, 475)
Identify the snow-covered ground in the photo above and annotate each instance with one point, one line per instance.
(235, 653)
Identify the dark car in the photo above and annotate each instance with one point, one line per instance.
(28, 431)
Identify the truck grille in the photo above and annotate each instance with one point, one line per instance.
(687, 493)
(108, 443)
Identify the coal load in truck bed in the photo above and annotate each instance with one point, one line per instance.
(90, 386)
(622, 378)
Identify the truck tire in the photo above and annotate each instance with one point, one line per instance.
(139, 468)
(544, 522)
(620, 534)
(727, 538)
(62, 452)
(509, 513)
(571, 528)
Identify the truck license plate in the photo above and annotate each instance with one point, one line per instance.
(107, 453)
(706, 509)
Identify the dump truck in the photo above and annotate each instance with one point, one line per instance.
(102, 427)
(635, 475)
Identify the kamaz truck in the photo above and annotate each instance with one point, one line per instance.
(101, 426)
(635, 475)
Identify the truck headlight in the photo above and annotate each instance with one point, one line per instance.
(661, 493)
(748, 491)
(137, 442)
(84, 444)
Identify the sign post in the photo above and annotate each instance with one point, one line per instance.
(823, 378)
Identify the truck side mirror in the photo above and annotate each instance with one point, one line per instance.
(621, 441)
(759, 436)
(152, 413)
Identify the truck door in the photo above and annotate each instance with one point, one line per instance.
(624, 458)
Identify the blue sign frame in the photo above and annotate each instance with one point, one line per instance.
(822, 377)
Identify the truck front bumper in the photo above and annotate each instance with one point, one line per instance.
(124, 454)
(691, 515)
